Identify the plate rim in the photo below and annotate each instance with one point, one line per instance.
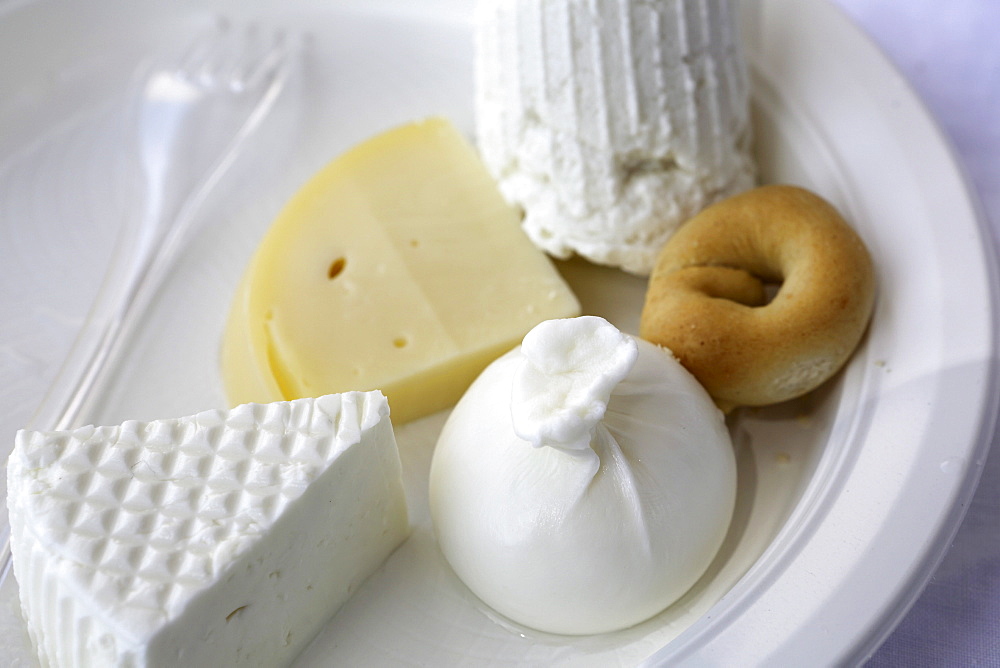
(714, 637)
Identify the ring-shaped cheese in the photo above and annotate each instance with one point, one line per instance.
(708, 304)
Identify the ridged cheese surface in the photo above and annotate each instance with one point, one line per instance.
(223, 538)
(610, 122)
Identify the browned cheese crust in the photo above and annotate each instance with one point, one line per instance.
(707, 300)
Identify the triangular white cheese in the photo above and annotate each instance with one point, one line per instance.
(206, 540)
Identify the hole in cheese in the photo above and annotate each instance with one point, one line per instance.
(399, 342)
(336, 267)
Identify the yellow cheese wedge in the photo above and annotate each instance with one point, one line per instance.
(397, 267)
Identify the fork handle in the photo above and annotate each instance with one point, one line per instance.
(81, 372)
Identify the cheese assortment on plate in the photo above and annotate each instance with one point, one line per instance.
(397, 267)
(584, 481)
(223, 538)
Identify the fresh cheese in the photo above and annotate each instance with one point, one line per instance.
(611, 122)
(398, 267)
(220, 539)
(584, 482)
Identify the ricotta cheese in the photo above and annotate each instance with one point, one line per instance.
(219, 539)
(610, 122)
(584, 482)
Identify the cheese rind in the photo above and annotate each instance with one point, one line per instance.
(398, 267)
(222, 538)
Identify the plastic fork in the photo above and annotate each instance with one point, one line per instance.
(191, 119)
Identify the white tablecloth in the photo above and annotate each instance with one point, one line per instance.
(950, 52)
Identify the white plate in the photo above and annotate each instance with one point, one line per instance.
(847, 498)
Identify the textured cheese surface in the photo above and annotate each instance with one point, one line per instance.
(610, 122)
(398, 267)
(224, 538)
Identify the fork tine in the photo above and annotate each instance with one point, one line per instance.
(193, 63)
(237, 56)
(273, 52)
(250, 45)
